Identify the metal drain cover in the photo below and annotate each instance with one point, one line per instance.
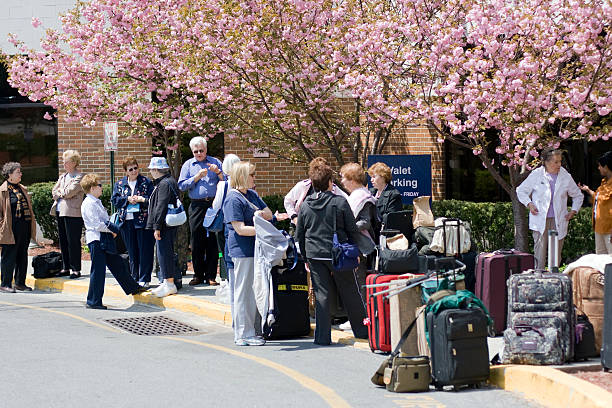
(152, 326)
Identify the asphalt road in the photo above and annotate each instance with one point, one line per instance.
(56, 353)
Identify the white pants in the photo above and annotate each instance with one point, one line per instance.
(603, 244)
(540, 245)
(244, 312)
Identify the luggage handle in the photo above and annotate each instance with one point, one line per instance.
(519, 329)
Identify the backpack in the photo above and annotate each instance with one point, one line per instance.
(47, 265)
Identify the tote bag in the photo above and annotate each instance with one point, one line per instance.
(213, 220)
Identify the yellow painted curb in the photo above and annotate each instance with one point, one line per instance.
(201, 307)
(550, 387)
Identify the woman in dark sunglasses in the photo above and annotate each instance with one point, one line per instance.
(131, 199)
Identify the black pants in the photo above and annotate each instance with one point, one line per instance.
(70, 230)
(323, 277)
(204, 253)
(221, 248)
(15, 257)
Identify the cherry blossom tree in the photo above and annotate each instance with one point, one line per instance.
(509, 76)
(274, 70)
(120, 60)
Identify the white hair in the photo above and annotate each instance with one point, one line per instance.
(228, 162)
(197, 141)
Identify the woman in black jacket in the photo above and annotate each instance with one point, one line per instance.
(165, 192)
(388, 198)
(315, 231)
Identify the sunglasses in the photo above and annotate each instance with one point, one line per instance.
(99, 185)
(132, 169)
(198, 151)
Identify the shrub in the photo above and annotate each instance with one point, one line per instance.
(42, 200)
(275, 203)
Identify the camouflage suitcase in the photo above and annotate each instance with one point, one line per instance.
(538, 305)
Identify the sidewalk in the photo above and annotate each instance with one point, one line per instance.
(549, 386)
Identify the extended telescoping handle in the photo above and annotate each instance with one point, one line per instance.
(553, 251)
(396, 291)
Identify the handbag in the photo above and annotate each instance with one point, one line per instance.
(345, 256)
(404, 374)
(398, 261)
(176, 213)
(213, 220)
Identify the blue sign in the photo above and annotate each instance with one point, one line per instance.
(410, 173)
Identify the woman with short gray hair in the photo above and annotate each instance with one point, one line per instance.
(17, 227)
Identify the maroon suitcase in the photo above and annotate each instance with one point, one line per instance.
(379, 330)
(492, 273)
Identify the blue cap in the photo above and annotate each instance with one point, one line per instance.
(158, 163)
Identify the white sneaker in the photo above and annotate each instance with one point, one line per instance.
(346, 326)
(166, 290)
(255, 341)
(158, 288)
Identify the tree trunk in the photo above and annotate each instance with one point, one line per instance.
(521, 225)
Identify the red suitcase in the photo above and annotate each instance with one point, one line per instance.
(379, 332)
(492, 273)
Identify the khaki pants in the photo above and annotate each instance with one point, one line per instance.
(540, 245)
(603, 244)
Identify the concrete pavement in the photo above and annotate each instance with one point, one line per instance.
(546, 385)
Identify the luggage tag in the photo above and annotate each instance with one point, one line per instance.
(133, 208)
(388, 375)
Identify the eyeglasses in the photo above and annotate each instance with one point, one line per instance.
(132, 169)
(199, 151)
(99, 185)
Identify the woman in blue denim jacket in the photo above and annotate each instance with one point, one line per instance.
(131, 199)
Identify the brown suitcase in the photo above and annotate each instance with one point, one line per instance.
(589, 298)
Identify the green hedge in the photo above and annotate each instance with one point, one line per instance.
(42, 200)
(492, 223)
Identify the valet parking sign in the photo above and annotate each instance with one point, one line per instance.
(410, 173)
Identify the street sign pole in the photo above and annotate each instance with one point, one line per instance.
(111, 136)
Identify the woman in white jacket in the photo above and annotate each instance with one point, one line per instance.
(545, 194)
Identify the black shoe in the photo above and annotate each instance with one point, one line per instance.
(75, 275)
(140, 290)
(23, 288)
(64, 272)
(101, 307)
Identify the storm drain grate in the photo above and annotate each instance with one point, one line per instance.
(152, 326)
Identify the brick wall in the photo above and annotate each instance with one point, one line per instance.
(90, 143)
(274, 175)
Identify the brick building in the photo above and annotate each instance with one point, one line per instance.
(274, 175)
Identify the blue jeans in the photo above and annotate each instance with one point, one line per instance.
(139, 243)
(100, 259)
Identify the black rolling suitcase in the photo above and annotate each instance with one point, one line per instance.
(606, 348)
(459, 350)
(290, 309)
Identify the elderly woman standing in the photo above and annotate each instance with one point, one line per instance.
(544, 192)
(222, 189)
(241, 205)
(363, 206)
(100, 234)
(68, 196)
(17, 226)
(388, 199)
(131, 198)
(165, 192)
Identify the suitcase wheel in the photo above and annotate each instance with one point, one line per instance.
(606, 370)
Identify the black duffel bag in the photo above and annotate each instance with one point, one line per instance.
(47, 265)
(398, 261)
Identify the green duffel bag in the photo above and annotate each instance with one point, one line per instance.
(408, 374)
